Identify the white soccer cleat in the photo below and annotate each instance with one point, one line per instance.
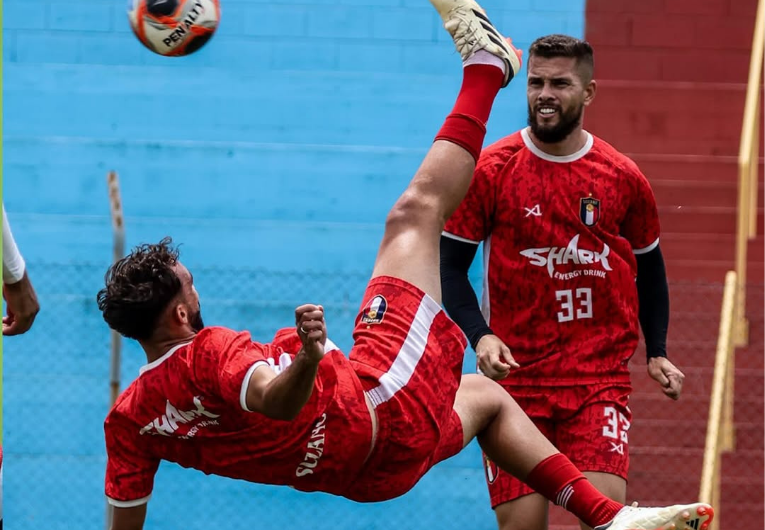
(472, 30)
(679, 517)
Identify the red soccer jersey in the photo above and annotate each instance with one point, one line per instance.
(560, 236)
(188, 407)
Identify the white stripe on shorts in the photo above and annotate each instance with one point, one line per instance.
(410, 354)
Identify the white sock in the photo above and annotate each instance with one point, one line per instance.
(484, 57)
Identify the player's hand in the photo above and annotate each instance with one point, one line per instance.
(667, 375)
(494, 357)
(309, 320)
(21, 306)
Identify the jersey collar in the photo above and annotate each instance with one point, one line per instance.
(157, 362)
(553, 158)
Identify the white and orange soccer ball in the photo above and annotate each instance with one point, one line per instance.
(174, 27)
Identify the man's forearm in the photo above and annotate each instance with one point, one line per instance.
(288, 392)
(458, 295)
(653, 294)
(462, 305)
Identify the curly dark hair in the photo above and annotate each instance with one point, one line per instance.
(138, 289)
(558, 45)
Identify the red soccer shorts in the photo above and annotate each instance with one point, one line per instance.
(588, 424)
(408, 355)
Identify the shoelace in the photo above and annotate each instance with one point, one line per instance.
(465, 32)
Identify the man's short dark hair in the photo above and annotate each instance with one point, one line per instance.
(565, 46)
(139, 288)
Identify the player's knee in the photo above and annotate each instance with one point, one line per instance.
(415, 209)
(492, 399)
(490, 389)
(483, 393)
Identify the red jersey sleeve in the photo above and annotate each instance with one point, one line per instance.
(473, 218)
(641, 224)
(130, 469)
(224, 361)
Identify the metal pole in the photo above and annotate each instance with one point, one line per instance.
(118, 230)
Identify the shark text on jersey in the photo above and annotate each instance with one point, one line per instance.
(551, 257)
(167, 424)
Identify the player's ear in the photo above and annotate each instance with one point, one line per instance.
(181, 314)
(589, 92)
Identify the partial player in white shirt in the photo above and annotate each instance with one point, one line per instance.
(21, 305)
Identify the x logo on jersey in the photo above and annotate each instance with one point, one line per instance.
(536, 211)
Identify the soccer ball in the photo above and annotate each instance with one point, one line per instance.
(174, 27)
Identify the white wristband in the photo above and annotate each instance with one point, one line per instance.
(13, 263)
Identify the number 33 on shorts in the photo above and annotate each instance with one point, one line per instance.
(616, 427)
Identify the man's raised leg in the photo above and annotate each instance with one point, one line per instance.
(410, 245)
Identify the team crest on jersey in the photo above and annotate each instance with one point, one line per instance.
(375, 310)
(492, 470)
(589, 210)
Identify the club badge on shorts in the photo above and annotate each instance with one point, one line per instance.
(375, 310)
(589, 210)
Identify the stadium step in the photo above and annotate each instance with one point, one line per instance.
(700, 324)
(649, 124)
(679, 40)
(646, 431)
(703, 299)
(700, 246)
(697, 388)
(682, 352)
(675, 472)
(701, 219)
(655, 406)
(681, 192)
(701, 380)
(688, 167)
(708, 270)
(696, 354)
(681, 65)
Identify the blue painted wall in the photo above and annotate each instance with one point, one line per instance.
(276, 150)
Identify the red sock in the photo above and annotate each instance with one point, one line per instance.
(560, 481)
(466, 125)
